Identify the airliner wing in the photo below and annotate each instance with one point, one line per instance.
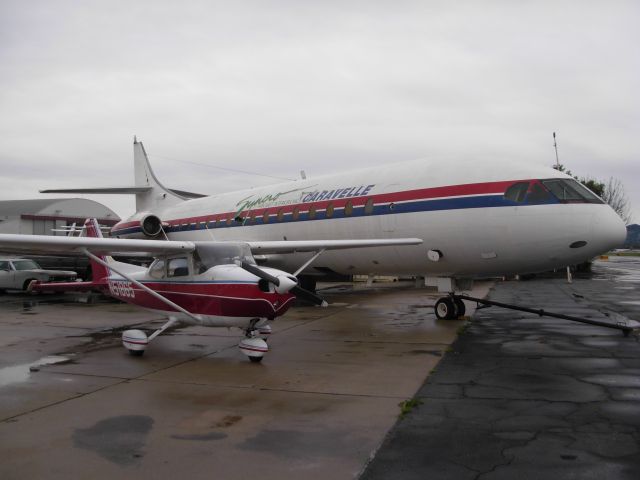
(287, 246)
(50, 245)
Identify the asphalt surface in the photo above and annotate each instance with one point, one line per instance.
(524, 397)
(74, 404)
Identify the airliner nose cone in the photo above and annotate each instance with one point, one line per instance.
(609, 230)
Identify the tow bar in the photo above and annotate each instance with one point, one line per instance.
(626, 330)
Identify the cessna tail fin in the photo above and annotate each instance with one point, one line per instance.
(98, 272)
(150, 194)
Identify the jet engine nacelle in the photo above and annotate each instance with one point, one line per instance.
(142, 225)
(151, 225)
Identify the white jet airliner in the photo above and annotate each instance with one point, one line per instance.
(476, 219)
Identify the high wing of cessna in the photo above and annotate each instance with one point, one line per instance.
(216, 284)
(476, 219)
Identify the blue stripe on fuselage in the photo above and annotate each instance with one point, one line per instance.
(443, 204)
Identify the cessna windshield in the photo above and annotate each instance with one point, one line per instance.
(207, 256)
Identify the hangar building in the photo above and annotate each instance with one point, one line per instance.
(41, 216)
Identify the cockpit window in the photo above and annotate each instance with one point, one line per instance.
(569, 191)
(538, 194)
(178, 267)
(517, 192)
(157, 270)
(207, 256)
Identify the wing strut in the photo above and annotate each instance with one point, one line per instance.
(309, 262)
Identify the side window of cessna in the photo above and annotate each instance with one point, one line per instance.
(556, 190)
(204, 257)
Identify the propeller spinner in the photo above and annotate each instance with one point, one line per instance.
(284, 284)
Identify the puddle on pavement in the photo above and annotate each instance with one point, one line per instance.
(21, 373)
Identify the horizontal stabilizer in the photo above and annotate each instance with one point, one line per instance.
(108, 190)
(36, 286)
(121, 190)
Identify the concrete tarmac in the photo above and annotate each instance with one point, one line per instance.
(74, 404)
(526, 397)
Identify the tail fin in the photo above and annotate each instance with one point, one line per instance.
(155, 195)
(98, 271)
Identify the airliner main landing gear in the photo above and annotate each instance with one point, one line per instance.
(449, 308)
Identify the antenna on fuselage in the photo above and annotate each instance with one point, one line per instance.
(555, 146)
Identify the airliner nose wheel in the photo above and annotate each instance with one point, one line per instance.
(449, 308)
(460, 307)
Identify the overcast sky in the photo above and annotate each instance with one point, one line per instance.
(274, 87)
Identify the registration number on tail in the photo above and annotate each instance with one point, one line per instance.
(121, 289)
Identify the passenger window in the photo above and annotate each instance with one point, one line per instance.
(330, 210)
(312, 212)
(157, 270)
(368, 207)
(178, 267)
(517, 192)
(296, 214)
(280, 214)
(348, 209)
(5, 266)
(265, 217)
(229, 219)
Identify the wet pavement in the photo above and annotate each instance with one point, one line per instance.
(74, 404)
(520, 396)
(515, 396)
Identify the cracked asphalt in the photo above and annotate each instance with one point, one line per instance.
(528, 397)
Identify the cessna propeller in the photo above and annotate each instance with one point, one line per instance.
(284, 284)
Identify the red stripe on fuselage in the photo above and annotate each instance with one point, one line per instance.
(409, 195)
(215, 299)
(468, 189)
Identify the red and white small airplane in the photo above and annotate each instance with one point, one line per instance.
(216, 284)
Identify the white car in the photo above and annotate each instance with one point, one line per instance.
(17, 274)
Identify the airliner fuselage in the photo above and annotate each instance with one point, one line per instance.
(477, 219)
